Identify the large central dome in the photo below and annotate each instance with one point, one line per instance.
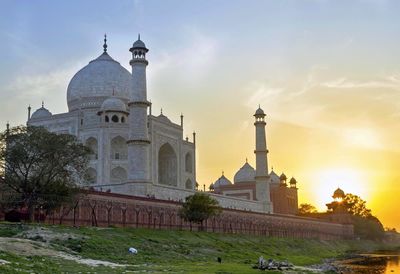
(100, 79)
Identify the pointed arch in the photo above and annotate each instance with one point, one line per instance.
(119, 148)
(91, 175)
(167, 166)
(188, 184)
(93, 145)
(118, 175)
(188, 163)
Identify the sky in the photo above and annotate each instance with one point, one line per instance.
(327, 74)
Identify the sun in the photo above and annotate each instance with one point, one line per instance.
(328, 180)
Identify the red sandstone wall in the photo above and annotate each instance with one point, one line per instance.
(284, 199)
(105, 209)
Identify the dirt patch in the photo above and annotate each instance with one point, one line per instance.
(3, 262)
(27, 247)
(46, 235)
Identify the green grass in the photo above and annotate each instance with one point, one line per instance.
(161, 251)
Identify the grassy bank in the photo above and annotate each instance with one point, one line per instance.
(45, 249)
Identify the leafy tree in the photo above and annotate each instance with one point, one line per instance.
(198, 208)
(355, 205)
(39, 169)
(366, 226)
(305, 209)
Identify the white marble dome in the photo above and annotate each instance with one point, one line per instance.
(163, 118)
(41, 113)
(245, 174)
(113, 104)
(222, 181)
(97, 81)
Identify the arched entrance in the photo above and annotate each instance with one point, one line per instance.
(167, 166)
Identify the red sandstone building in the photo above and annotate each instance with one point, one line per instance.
(283, 195)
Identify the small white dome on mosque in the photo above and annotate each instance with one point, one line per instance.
(41, 113)
(245, 174)
(222, 181)
(274, 178)
(163, 118)
(113, 104)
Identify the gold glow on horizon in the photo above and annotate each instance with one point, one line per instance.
(349, 180)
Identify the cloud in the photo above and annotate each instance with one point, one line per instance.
(193, 58)
(392, 82)
(261, 94)
(41, 84)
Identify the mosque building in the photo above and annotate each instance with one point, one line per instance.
(137, 153)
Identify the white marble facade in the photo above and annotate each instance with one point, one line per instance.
(135, 152)
(108, 109)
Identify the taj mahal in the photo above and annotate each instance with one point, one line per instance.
(137, 153)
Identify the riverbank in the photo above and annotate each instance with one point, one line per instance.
(55, 249)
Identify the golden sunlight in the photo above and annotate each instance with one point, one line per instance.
(349, 180)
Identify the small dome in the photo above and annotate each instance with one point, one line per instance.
(222, 181)
(338, 194)
(164, 118)
(259, 112)
(41, 113)
(274, 178)
(292, 181)
(113, 104)
(139, 44)
(283, 177)
(245, 174)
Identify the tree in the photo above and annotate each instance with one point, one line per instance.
(356, 206)
(305, 209)
(366, 226)
(199, 207)
(40, 169)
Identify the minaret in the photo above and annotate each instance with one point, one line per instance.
(138, 143)
(261, 144)
(262, 184)
(29, 112)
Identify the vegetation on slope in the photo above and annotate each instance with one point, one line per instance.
(158, 250)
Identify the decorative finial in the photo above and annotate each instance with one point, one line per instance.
(138, 37)
(105, 43)
(272, 168)
(259, 106)
(42, 104)
(161, 111)
(222, 173)
(246, 160)
(29, 107)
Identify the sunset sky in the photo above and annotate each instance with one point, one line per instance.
(327, 74)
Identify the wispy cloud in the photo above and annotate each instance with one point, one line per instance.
(193, 58)
(261, 93)
(391, 81)
(41, 85)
